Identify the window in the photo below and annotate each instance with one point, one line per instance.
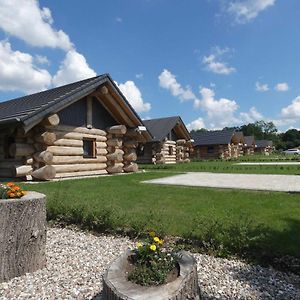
(210, 149)
(89, 148)
(140, 151)
(170, 150)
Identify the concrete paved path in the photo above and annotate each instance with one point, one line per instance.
(291, 163)
(285, 183)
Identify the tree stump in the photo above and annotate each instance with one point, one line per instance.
(22, 235)
(117, 287)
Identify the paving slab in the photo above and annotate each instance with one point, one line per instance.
(263, 182)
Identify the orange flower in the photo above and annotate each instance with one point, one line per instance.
(17, 188)
(10, 184)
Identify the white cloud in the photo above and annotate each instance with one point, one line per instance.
(119, 20)
(220, 112)
(196, 124)
(134, 96)
(18, 72)
(246, 10)
(282, 87)
(25, 20)
(73, 68)
(251, 116)
(292, 111)
(214, 63)
(139, 75)
(261, 87)
(42, 60)
(168, 81)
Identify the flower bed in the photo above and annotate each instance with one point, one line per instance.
(22, 232)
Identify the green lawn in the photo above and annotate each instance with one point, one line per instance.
(223, 166)
(258, 224)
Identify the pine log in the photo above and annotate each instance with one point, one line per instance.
(29, 161)
(79, 136)
(130, 156)
(116, 168)
(130, 144)
(47, 138)
(61, 160)
(76, 143)
(114, 142)
(181, 142)
(115, 156)
(44, 157)
(84, 130)
(83, 173)
(52, 120)
(132, 167)
(44, 173)
(17, 149)
(79, 167)
(59, 150)
(101, 151)
(21, 171)
(117, 129)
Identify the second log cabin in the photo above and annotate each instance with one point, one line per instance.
(171, 142)
(83, 128)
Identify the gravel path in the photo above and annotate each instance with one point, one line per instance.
(76, 262)
(263, 182)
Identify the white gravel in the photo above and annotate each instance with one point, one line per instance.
(76, 262)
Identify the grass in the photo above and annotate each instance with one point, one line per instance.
(260, 225)
(231, 166)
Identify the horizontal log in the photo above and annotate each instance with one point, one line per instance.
(130, 144)
(61, 160)
(78, 174)
(116, 168)
(181, 142)
(101, 151)
(17, 150)
(130, 156)
(132, 167)
(84, 130)
(47, 138)
(44, 157)
(22, 171)
(169, 143)
(44, 173)
(76, 143)
(114, 142)
(51, 120)
(117, 129)
(115, 156)
(79, 167)
(29, 161)
(60, 150)
(79, 136)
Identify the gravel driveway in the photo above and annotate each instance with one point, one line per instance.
(76, 262)
(284, 183)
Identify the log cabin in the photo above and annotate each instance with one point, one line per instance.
(219, 144)
(264, 147)
(83, 128)
(171, 142)
(249, 145)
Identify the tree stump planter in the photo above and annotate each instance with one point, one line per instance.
(185, 286)
(22, 235)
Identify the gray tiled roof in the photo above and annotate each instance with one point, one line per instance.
(30, 108)
(264, 143)
(161, 127)
(249, 140)
(218, 137)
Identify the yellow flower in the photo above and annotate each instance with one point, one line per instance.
(139, 245)
(160, 242)
(153, 247)
(152, 234)
(156, 239)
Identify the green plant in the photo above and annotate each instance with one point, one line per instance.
(152, 262)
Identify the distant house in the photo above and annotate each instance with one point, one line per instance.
(222, 144)
(250, 144)
(264, 147)
(83, 128)
(170, 144)
(241, 139)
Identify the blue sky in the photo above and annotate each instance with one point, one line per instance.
(215, 63)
